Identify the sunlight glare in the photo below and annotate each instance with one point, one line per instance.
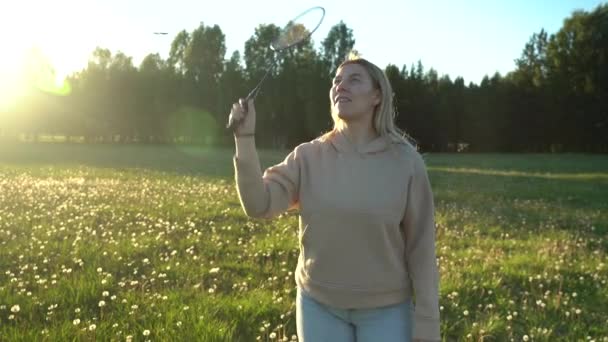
(61, 34)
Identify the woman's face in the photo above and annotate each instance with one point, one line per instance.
(353, 95)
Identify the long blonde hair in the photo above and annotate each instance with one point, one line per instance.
(384, 114)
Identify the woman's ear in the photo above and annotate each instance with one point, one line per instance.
(377, 97)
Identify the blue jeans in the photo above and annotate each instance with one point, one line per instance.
(318, 322)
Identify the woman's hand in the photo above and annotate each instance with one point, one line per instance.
(244, 115)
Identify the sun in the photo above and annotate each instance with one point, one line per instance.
(40, 48)
(23, 71)
(12, 85)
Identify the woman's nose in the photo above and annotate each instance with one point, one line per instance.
(340, 85)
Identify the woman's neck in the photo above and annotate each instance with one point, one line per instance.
(359, 134)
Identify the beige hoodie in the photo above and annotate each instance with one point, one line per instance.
(367, 229)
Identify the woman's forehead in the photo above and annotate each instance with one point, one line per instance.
(350, 69)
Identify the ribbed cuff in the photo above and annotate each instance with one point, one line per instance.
(426, 329)
(244, 135)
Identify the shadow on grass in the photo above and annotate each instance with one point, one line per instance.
(181, 159)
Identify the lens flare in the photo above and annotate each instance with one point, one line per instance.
(192, 128)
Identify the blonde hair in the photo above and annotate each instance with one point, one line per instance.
(384, 114)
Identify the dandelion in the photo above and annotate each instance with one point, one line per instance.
(105, 293)
(214, 270)
(526, 338)
(92, 327)
(76, 321)
(15, 309)
(146, 332)
(273, 336)
(102, 303)
(465, 313)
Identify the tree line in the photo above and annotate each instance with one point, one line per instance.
(555, 99)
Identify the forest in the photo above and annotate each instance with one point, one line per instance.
(554, 100)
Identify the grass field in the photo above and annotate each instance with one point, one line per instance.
(139, 243)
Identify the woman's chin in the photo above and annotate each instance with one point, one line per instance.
(344, 115)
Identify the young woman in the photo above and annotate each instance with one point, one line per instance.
(367, 269)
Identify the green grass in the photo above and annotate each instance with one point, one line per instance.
(158, 235)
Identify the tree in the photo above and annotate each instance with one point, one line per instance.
(177, 53)
(532, 65)
(155, 94)
(578, 70)
(204, 63)
(231, 85)
(258, 58)
(338, 43)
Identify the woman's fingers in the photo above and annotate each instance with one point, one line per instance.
(237, 112)
(242, 115)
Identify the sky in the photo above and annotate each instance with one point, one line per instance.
(459, 38)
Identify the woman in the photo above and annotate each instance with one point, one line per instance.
(367, 231)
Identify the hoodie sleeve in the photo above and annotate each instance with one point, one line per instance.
(272, 193)
(419, 227)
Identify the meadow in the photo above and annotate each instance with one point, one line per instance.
(149, 243)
